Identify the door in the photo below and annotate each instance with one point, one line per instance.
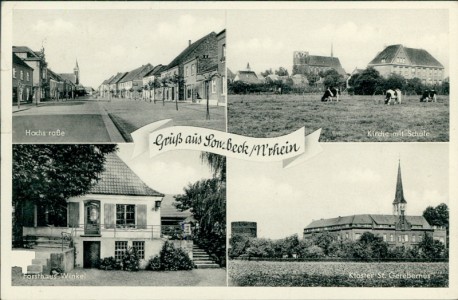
(91, 254)
(92, 217)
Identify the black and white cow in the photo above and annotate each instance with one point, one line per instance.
(331, 93)
(393, 95)
(429, 96)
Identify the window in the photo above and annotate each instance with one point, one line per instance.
(22, 75)
(125, 215)
(419, 238)
(120, 248)
(413, 239)
(193, 69)
(391, 238)
(14, 72)
(187, 71)
(357, 236)
(399, 238)
(28, 76)
(214, 86)
(139, 246)
(383, 60)
(223, 54)
(384, 237)
(406, 237)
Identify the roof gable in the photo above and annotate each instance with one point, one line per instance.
(119, 179)
(417, 57)
(117, 77)
(137, 74)
(18, 61)
(185, 54)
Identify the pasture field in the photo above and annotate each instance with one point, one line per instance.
(337, 274)
(353, 119)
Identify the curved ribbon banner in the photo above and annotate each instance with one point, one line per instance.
(292, 149)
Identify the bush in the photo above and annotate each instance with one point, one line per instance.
(109, 263)
(130, 260)
(170, 259)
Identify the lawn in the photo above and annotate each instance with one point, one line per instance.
(94, 277)
(129, 115)
(338, 274)
(353, 119)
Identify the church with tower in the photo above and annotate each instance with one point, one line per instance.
(397, 229)
(73, 77)
(304, 63)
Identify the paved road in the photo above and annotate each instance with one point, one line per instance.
(65, 122)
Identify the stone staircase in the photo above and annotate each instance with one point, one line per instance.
(40, 264)
(202, 260)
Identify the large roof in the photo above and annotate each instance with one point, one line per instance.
(119, 179)
(326, 61)
(185, 53)
(247, 77)
(137, 74)
(168, 209)
(25, 49)
(20, 62)
(417, 57)
(69, 76)
(368, 219)
(117, 78)
(154, 71)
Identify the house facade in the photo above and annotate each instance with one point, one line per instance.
(112, 84)
(56, 85)
(410, 63)
(119, 212)
(304, 63)
(222, 84)
(149, 80)
(131, 85)
(36, 60)
(243, 228)
(205, 50)
(397, 229)
(22, 81)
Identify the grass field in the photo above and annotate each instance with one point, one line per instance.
(353, 119)
(333, 274)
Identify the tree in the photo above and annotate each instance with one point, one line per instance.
(430, 248)
(178, 81)
(414, 86)
(438, 216)
(47, 175)
(267, 72)
(332, 78)
(206, 200)
(395, 81)
(281, 72)
(313, 78)
(323, 240)
(368, 82)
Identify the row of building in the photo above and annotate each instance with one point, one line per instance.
(197, 73)
(394, 59)
(396, 229)
(34, 81)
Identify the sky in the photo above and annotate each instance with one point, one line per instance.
(109, 41)
(344, 179)
(169, 172)
(267, 38)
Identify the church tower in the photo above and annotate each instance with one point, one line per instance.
(76, 71)
(399, 203)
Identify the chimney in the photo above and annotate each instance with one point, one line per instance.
(189, 43)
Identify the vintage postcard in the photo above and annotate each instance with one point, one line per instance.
(229, 150)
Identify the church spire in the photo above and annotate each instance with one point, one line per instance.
(399, 202)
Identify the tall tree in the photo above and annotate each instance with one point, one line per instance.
(47, 175)
(332, 78)
(267, 72)
(206, 200)
(281, 72)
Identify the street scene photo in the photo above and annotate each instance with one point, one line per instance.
(89, 76)
(356, 215)
(357, 76)
(115, 220)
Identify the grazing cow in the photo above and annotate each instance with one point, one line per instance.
(429, 96)
(330, 93)
(393, 95)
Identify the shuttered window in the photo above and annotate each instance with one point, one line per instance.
(141, 216)
(73, 214)
(109, 215)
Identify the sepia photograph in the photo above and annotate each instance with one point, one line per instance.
(357, 215)
(362, 75)
(98, 75)
(117, 221)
